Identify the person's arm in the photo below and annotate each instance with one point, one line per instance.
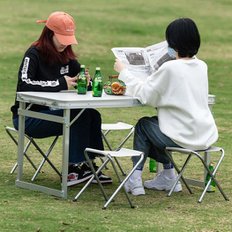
(72, 77)
(148, 91)
(75, 70)
(33, 75)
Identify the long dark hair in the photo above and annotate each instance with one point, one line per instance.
(48, 51)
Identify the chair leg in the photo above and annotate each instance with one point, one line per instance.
(118, 189)
(45, 156)
(119, 146)
(212, 177)
(27, 157)
(119, 166)
(110, 148)
(125, 140)
(110, 159)
(180, 173)
(24, 152)
(205, 162)
(122, 184)
(95, 175)
(107, 143)
(10, 130)
(105, 139)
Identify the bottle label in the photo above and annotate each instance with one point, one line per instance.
(97, 84)
(82, 84)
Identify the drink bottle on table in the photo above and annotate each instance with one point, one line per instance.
(82, 81)
(97, 86)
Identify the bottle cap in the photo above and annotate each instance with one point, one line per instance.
(98, 68)
(82, 66)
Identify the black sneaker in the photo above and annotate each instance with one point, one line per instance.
(77, 175)
(103, 178)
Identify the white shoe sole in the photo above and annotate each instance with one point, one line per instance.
(136, 191)
(75, 182)
(178, 187)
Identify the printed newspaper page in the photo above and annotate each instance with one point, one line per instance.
(143, 61)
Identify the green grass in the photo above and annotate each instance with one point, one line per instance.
(101, 25)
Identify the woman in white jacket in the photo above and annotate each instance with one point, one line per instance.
(179, 92)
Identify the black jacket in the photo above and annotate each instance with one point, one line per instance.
(36, 75)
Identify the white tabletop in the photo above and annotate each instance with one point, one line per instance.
(71, 100)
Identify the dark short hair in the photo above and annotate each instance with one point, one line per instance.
(183, 36)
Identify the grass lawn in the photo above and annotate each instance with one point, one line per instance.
(101, 25)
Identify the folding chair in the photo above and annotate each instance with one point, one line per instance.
(13, 134)
(110, 157)
(119, 126)
(108, 127)
(203, 155)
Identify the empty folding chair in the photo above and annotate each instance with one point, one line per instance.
(13, 134)
(203, 155)
(119, 126)
(110, 157)
(108, 127)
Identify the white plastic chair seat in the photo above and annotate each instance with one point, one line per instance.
(116, 126)
(110, 157)
(123, 152)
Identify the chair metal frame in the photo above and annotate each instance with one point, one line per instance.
(109, 156)
(204, 160)
(31, 141)
(109, 127)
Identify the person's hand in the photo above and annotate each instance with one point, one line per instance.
(87, 76)
(71, 81)
(119, 66)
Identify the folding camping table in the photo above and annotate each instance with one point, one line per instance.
(65, 100)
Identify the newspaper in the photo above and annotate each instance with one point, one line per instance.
(143, 61)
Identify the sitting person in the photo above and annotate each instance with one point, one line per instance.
(50, 65)
(179, 92)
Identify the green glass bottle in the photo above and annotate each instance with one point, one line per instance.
(212, 186)
(152, 165)
(97, 87)
(82, 81)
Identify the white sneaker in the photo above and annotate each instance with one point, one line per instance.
(134, 184)
(161, 182)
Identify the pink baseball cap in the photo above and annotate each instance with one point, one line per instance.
(63, 26)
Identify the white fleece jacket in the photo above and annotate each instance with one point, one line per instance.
(179, 91)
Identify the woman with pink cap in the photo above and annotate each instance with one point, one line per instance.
(50, 65)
